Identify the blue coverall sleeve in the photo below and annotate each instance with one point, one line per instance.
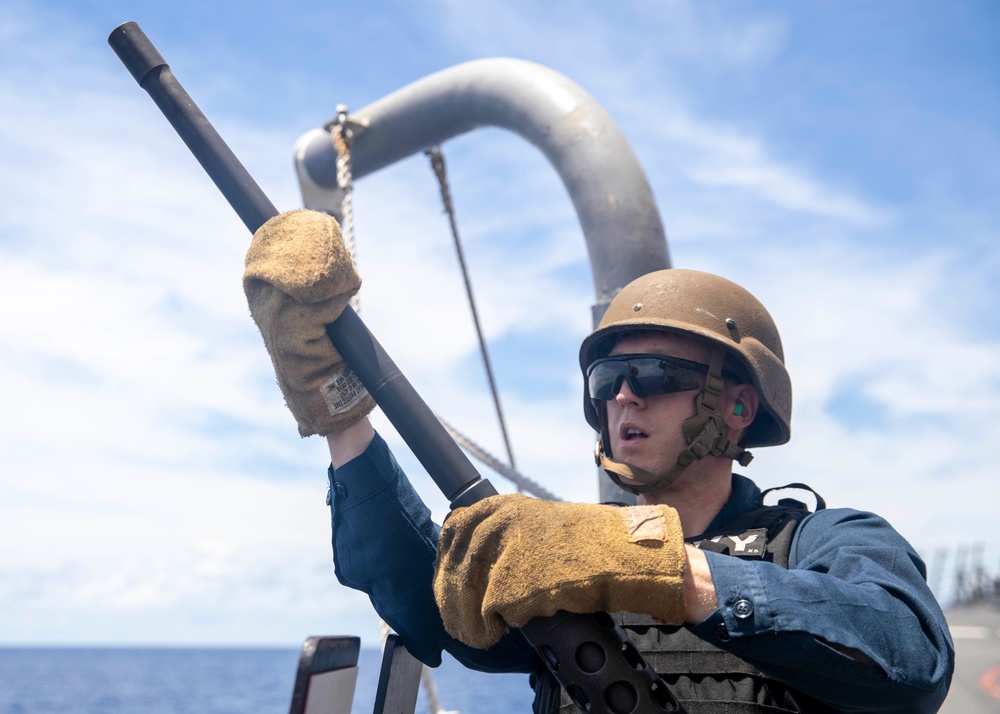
(384, 544)
(852, 582)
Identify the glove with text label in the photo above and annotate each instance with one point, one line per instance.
(299, 277)
(507, 559)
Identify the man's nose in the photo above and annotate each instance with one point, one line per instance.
(626, 395)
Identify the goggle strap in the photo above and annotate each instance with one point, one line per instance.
(713, 381)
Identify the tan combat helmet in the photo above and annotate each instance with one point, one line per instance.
(717, 311)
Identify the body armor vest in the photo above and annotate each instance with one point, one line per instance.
(703, 677)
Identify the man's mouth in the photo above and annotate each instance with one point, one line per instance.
(631, 433)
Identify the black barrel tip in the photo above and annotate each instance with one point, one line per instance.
(135, 50)
(124, 27)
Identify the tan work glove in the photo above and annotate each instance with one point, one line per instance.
(507, 559)
(299, 277)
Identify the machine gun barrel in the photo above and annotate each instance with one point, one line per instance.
(153, 74)
(590, 656)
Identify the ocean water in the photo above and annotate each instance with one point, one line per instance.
(212, 681)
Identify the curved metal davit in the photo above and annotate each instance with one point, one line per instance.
(613, 200)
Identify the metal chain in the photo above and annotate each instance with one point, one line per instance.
(437, 164)
(340, 132)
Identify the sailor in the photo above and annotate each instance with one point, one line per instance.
(739, 606)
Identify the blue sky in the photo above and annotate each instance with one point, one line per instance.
(839, 160)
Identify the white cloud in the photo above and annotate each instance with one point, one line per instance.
(787, 190)
(597, 40)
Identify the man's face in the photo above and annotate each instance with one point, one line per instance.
(645, 432)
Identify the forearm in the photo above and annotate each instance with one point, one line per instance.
(853, 625)
(385, 544)
(700, 599)
(350, 443)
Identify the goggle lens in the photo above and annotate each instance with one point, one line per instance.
(646, 375)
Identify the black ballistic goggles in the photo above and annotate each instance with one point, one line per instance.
(646, 375)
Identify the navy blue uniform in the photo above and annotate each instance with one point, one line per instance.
(851, 580)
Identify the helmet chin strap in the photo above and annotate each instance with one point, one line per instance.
(705, 433)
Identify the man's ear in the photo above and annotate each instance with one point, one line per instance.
(739, 407)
